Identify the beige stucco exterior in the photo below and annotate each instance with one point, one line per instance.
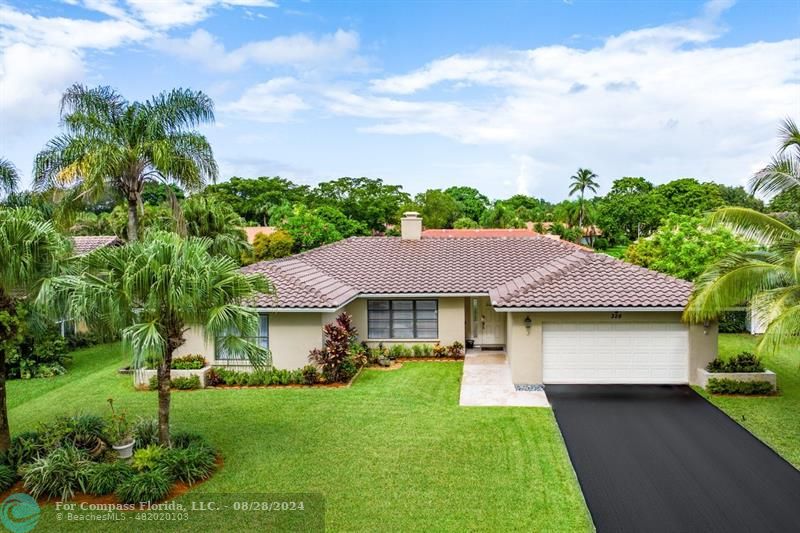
(293, 335)
(524, 347)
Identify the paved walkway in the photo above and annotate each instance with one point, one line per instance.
(487, 382)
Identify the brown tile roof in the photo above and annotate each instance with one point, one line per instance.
(85, 244)
(479, 233)
(516, 272)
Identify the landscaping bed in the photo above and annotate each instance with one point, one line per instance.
(743, 374)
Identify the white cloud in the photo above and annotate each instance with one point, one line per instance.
(661, 102)
(298, 49)
(272, 101)
(174, 13)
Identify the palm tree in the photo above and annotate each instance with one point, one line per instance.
(152, 291)
(768, 278)
(9, 177)
(783, 172)
(209, 217)
(111, 144)
(582, 180)
(31, 249)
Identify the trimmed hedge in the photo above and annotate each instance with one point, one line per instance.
(742, 362)
(732, 322)
(732, 386)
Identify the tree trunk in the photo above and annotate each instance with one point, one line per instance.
(133, 219)
(8, 332)
(164, 383)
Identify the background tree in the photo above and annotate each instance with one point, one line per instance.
(465, 223)
(208, 217)
(152, 291)
(307, 229)
(268, 246)
(110, 143)
(160, 193)
(684, 247)
(254, 199)
(629, 210)
(739, 197)
(584, 179)
(786, 201)
(687, 196)
(767, 277)
(9, 176)
(366, 200)
(438, 209)
(501, 215)
(31, 249)
(471, 203)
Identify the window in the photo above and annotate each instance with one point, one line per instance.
(262, 339)
(403, 319)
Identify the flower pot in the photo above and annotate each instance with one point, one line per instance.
(124, 450)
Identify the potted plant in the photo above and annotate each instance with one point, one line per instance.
(120, 432)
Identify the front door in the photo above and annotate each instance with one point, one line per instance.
(488, 326)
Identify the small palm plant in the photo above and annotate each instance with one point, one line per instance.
(583, 180)
(153, 291)
(30, 249)
(9, 176)
(111, 144)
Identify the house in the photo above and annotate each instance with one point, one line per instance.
(83, 244)
(562, 313)
(252, 231)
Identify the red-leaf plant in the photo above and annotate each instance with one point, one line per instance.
(339, 338)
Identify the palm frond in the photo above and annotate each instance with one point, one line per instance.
(790, 135)
(751, 224)
(782, 174)
(9, 176)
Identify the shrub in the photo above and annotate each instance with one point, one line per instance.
(732, 386)
(186, 382)
(188, 362)
(40, 355)
(103, 478)
(213, 378)
(87, 432)
(742, 362)
(400, 350)
(150, 486)
(273, 246)
(427, 350)
(310, 375)
(334, 358)
(145, 432)
(190, 464)
(439, 351)
(185, 439)
(732, 322)
(86, 339)
(455, 350)
(147, 458)
(7, 477)
(25, 448)
(180, 383)
(59, 474)
(418, 350)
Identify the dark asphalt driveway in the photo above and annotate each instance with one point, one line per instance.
(661, 458)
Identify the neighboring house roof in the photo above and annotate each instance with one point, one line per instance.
(252, 231)
(84, 244)
(515, 272)
(479, 233)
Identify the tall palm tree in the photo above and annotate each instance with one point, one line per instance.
(152, 291)
(111, 144)
(9, 177)
(783, 172)
(31, 249)
(209, 217)
(583, 180)
(768, 278)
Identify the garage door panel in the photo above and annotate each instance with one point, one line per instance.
(615, 352)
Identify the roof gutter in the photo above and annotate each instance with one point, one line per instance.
(583, 309)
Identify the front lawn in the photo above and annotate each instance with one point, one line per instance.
(393, 452)
(775, 420)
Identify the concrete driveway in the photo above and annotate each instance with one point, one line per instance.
(661, 458)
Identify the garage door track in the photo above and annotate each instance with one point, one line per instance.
(661, 458)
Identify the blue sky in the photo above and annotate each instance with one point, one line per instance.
(504, 96)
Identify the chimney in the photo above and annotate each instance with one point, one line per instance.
(411, 226)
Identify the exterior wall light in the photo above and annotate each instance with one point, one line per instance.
(528, 324)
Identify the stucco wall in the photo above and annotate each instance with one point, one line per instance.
(525, 348)
(196, 344)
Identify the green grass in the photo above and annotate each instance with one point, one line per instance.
(393, 452)
(616, 251)
(776, 419)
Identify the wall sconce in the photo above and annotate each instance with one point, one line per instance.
(528, 324)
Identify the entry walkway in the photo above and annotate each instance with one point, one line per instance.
(487, 382)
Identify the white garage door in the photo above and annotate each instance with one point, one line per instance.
(615, 353)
